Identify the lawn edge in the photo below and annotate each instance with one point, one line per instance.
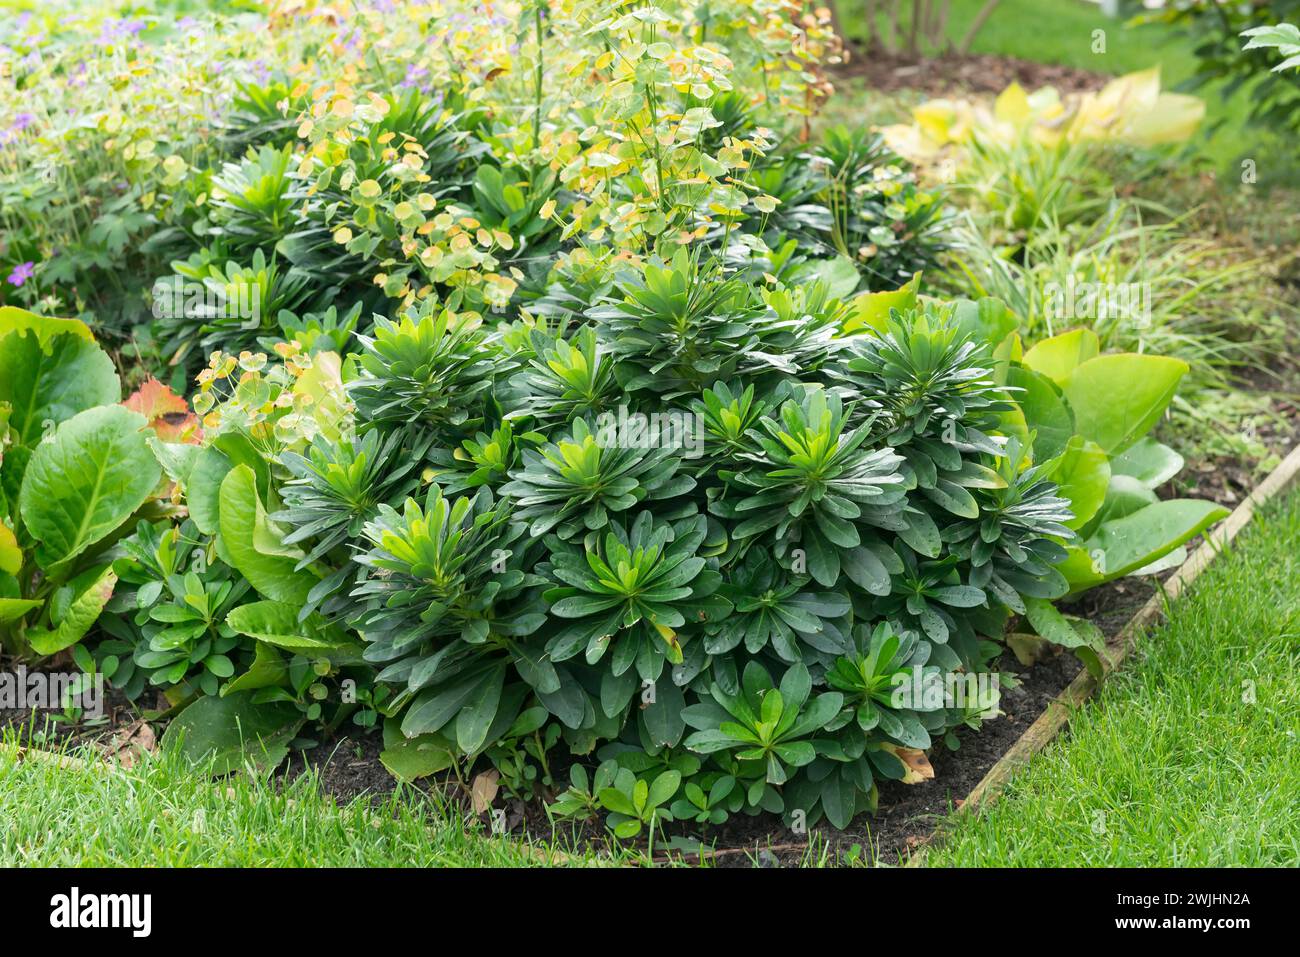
(1057, 712)
(1034, 739)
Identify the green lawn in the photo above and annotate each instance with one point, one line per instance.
(1190, 756)
(1061, 31)
(165, 813)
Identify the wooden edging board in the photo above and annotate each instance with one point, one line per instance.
(1054, 717)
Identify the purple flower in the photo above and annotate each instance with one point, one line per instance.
(22, 272)
(414, 74)
(20, 123)
(120, 29)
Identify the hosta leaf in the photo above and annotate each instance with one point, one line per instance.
(86, 481)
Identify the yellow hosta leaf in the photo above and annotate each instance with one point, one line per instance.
(1174, 119)
(1012, 105)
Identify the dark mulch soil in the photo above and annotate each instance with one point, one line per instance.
(48, 729)
(348, 766)
(971, 73)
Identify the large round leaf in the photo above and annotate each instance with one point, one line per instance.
(1128, 544)
(46, 386)
(1059, 356)
(1116, 399)
(46, 327)
(232, 730)
(1150, 462)
(86, 481)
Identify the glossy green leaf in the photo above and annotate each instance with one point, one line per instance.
(13, 319)
(1150, 462)
(1116, 399)
(233, 730)
(1059, 356)
(49, 385)
(1082, 476)
(277, 624)
(871, 309)
(1047, 416)
(274, 576)
(92, 590)
(86, 481)
(1128, 544)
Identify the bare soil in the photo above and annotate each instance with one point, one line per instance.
(958, 73)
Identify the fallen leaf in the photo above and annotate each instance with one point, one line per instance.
(168, 413)
(916, 762)
(132, 741)
(484, 790)
(1027, 648)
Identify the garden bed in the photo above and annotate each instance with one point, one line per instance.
(688, 477)
(961, 73)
